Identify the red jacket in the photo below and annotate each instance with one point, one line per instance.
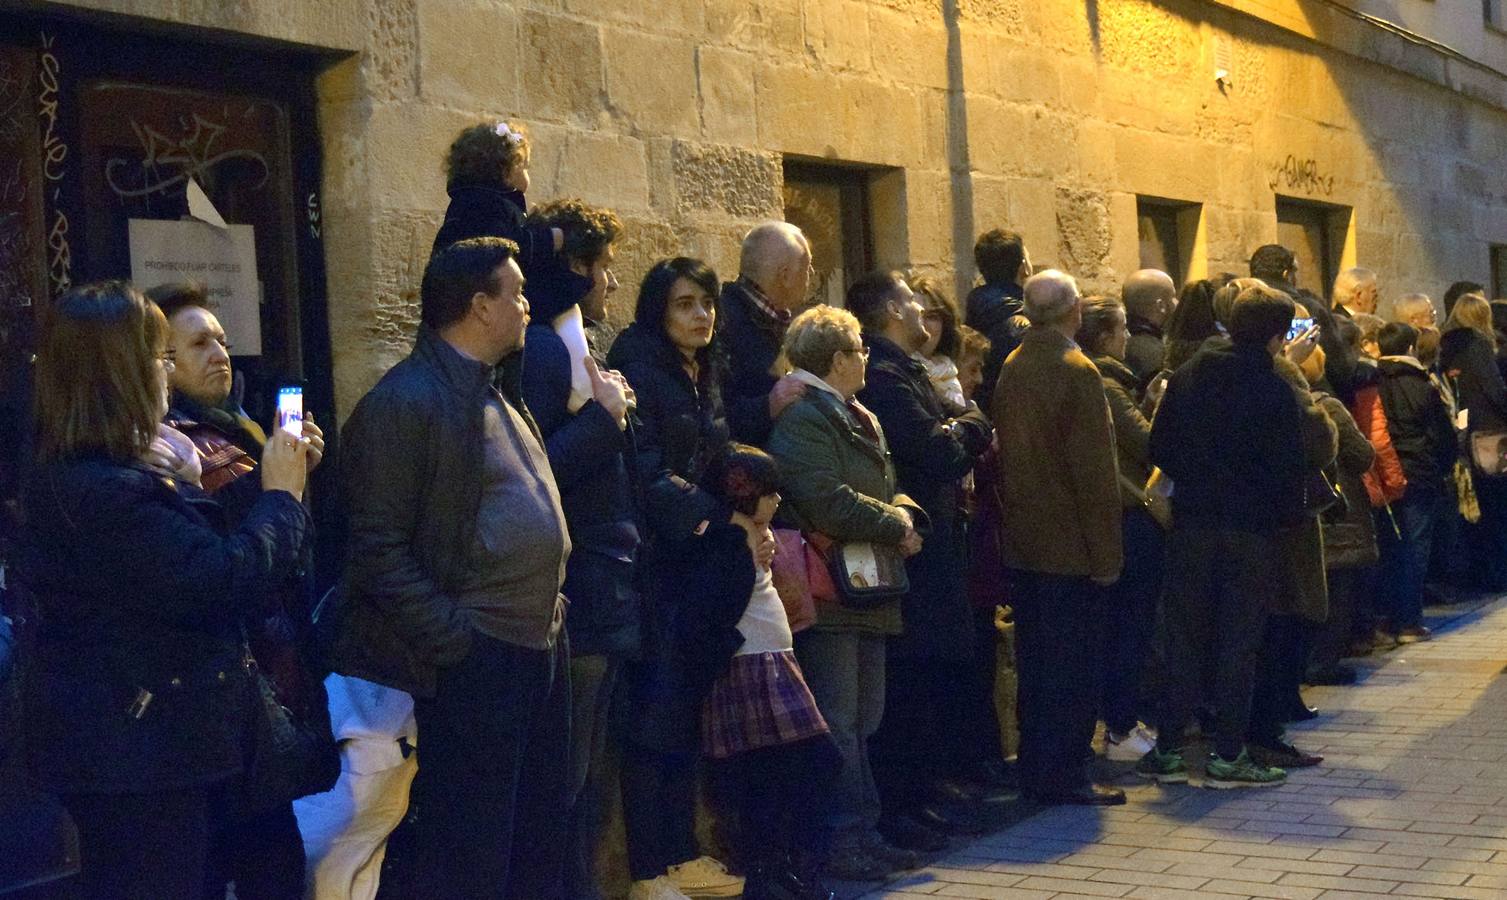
(1385, 481)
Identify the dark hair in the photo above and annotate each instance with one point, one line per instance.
(1460, 289)
(950, 342)
(867, 296)
(1349, 332)
(480, 155)
(998, 255)
(177, 295)
(458, 273)
(1272, 262)
(654, 296)
(739, 476)
(1193, 319)
(1099, 315)
(1259, 314)
(98, 388)
(588, 230)
(1397, 338)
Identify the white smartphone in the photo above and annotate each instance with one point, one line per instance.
(290, 410)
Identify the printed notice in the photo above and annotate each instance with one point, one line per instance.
(223, 259)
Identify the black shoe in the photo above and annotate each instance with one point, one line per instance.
(948, 821)
(1299, 711)
(857, 864)
(1279, 753)
(779, 883)
(908, 834)
(895, 857)
(995, 773)
(1087, 795)
(1334, 674)
(958, 790)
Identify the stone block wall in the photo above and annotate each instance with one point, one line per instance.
(1048, 116)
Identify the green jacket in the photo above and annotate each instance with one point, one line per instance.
(837, 481)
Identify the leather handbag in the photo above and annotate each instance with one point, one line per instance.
(292, 756)
(863, 574)
(1322, 497)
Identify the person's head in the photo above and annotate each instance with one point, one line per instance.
(1415, 309)
(1001, 257)
(677, 302)
(1149, 294)
(1499, 321)
(101, 373)
(1356, 290)
(472, 294)
(940, 315)
(1274, 262)
(1052, 301)
(495, 154)
(1428, 346)
(1474, 312)
(201, 355)
(970, 359)
(590, 233)
(886, 306)
(1397, 339)
(1366, 328)
(1224, 298)
(1103, 331)
(1459, 289)
(777, 257)
(828, 343)
(746, 480)
(1193, 318)
(1260, 317)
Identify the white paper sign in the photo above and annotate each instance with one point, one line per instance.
(223, 259)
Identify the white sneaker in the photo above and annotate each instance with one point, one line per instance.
(1128, 747)
(661, 888)
(705, 877)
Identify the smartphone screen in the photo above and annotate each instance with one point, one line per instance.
(290, 410)
(1299, 326)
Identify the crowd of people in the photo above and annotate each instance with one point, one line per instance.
(754, 550)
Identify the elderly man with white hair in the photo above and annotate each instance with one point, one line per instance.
(1059, 500)
(774, 279)
(1355, 291)
(1416, 310)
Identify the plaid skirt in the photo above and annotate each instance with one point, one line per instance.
(761, 701)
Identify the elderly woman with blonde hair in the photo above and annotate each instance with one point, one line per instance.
(839, 485)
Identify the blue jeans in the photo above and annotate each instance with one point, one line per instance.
(1405, 561)
(845, 671)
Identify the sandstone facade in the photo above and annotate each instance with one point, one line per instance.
(1048, 116)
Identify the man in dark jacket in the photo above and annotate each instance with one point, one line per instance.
(1344, 371)
(1238, 471)
(995, 307)
(1149, 297)
(457, 552)
(774, 278)
(920, 738)
(1423, 435)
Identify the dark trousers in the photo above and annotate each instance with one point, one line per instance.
(1057, 621)
(592, 679)
(262, 853)
(980, 717)
(1490, 550)
(1279, 675)
(1130, 623)
(1405, 559)
(780, 797)
(1348, 616)
(140, 846)
(659, 809)
(1219, 583)
(922, 737)
(486, 814)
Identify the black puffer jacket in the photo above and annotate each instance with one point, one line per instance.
(135, 683)
(1466, 358)
(1417, 422)
(489, 210)
(680, 426)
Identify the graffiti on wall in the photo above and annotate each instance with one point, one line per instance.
(1293, 174)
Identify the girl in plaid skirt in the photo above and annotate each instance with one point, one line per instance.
(760, 723)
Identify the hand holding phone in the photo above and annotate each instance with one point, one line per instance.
(1300, 325)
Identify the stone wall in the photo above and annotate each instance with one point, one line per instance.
(1048, 116)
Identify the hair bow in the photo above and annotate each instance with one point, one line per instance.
(507, 133)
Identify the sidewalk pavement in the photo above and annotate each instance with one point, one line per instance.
(1410, 801)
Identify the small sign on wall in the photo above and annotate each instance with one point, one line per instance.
(223, 259)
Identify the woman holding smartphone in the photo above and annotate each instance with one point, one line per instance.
(137, 708)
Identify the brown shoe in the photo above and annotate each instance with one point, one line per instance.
(1414, 634)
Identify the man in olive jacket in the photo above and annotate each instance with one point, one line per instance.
(1059, 496)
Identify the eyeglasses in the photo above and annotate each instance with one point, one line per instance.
(861, 351)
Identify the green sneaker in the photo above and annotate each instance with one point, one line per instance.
(1242, 772)
(1165, 768)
